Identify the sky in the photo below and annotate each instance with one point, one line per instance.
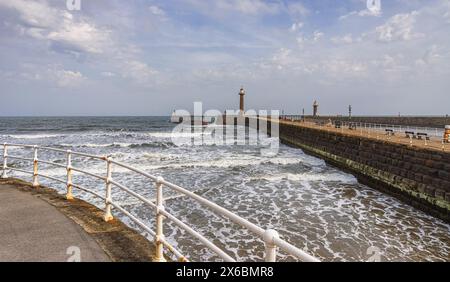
(150, 57)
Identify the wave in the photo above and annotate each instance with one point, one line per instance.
(122, 145)
(32, 136)
(228, 163)
(309, 177)
(174, 134)
(222, 163)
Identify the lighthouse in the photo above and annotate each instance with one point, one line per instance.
(241, 100)
(315, 109)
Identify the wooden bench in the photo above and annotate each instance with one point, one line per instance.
(390, 132)
(423, 135)
(409, 134)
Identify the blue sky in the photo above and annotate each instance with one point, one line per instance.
(147, 57)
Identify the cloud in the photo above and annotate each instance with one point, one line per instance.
(296, 26)
(49, 75)
(432, 56)
(346, 39)
(82, 37)
(252, 7)
(198, 47)
(317, 35)
(399, 27)
(40, 21)
(138, 71)
(375, 12)
(68, 34)
(246, 7)
(108, 74)
(68, 78)
(157, 11)
(362, 13)
(35, 14)
(297, 9)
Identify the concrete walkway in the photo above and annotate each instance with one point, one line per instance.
(33, 230)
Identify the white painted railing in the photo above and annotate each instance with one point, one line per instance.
(433, 132)
(270, 237)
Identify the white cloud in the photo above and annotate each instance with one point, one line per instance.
(431, 56)
(346, 39)
(157, 11)
(303, 40)
(446, 8)
(33, 13)
(398, 27)
(297, 9)
(74, 35)
(317, 35)
(296, 26)
(68, 78)
(251, 6)
(82, 36)
(248, 7)
(138, 71)
(40, 21)
(362, 13)
(343, 68)
(108, 74)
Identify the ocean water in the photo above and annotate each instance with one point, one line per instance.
(314, 206)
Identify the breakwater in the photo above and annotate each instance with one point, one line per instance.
(421, 121)
(417, 176)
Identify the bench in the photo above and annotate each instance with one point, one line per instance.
(337, 124)
(423, 135)
(390, 132)
(352, 126)
(409, 134)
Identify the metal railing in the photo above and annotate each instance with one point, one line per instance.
(270, 237)
(414, 135)
(433, 132)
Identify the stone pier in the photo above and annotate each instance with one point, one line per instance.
(419, 174)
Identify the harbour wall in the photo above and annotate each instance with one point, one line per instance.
(420, 121)
(419, 177)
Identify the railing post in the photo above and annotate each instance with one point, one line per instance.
(35, 167)
(108, 216)
(5, 160)
(271, 248)
(159, 221)
(69, 195)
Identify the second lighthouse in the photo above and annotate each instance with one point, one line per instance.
(241, 100)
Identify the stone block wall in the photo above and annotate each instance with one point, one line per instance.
(421, 121)
(420, 177)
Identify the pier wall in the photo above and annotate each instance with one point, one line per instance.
(420, 177)
(419, 121)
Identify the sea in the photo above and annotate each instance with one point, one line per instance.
(312, 205)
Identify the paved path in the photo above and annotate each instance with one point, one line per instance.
(33, 230)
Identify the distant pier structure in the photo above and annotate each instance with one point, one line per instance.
(241, 100)
(315, 109)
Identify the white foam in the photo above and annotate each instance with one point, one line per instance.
(174, 134)
(32, 136)
(338, 177)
